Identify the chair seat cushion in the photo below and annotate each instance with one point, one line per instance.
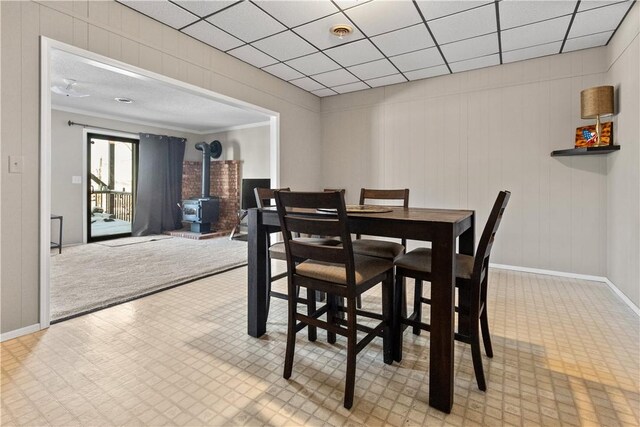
(277, 250)
(420, 260)
(377, 248)
(366, 268)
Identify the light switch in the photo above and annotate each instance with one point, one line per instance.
(15, 164)
(76, 179)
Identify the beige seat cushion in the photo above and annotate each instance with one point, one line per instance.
(277, 251)
(366, 268)
(377, 248)
(420, 260)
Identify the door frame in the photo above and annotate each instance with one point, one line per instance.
(46, 46)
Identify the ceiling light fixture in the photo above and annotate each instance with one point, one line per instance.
(341, 30)
(124, 100)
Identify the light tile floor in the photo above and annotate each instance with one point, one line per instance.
(566, 353)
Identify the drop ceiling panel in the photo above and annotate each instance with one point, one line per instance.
(427, 72)
(307, 84)
(598, 20)
(514, 13)
(335, 78)
(471, 48)
(354, 53)
(246, 21)
(351, 87)
(207, 33)
(253, 56)
(283, 71)
(292, 13)
(204, 8)
(313, 64)
(592, 4)
(284, 46)
(163, 11)
(378, 17)
(531, 52)
(317, 32)
(419, 59)
(374, 69)
(406, 40)
(585, 42)
(324, 92)
(530, 35)
(470, 23)
(437, 9)
(386, 80)
(472, 64)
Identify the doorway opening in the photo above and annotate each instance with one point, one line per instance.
(112, 171)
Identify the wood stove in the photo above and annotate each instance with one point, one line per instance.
(205, 210)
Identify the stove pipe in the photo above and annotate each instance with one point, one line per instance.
(206, 166)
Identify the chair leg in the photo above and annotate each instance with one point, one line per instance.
(417, 305)
(359, 301)
(396, 324)
(311, 308)
(352, 338)
(476, 356)
(291, 336)
(332, 301)
(486, 336)
(387, 314)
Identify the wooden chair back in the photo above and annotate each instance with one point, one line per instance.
(481, 262)
(264, 196)
(388, 195)
(292, 221)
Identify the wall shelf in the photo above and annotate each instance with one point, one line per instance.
(585, 151)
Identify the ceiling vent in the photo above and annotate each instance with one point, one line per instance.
(341, 30)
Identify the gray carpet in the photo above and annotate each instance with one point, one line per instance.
(88, 277)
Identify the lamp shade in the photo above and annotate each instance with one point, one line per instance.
(596, 101)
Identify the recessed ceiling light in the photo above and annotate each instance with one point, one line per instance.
(341, 30)
(124, 100)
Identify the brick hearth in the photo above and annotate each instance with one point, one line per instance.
(224, 184)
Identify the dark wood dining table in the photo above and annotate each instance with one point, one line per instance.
(442, 227)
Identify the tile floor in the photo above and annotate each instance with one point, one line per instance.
(566, 353)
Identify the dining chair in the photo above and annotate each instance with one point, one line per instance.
(381, 248)
(264, 198)
(335, 270)
(472, 274)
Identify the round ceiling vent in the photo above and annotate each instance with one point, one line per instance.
(341, 30)
(124, 100)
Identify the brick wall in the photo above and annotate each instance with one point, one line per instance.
(225, 183)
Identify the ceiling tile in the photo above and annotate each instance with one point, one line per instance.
(352, 87)
(598, 20)
(324, 92)
(253, 56)
(294, 13)
(514, 13)
(307, 84)
(387, 80)
(592, 4)
(246, 21)
(408, 39)
(213, 36)
(317, 32)
(534, 34)
(204, 8)
(585, 42)
(335, 78)
(472, 64)
(471, 23)
(471, 48)
(313, 64)
(163, 11)
(436, 9)
(284, 46)
(427, 72)
(420, 59)
(354, 53)
(378, 17)
(346, 4)
(283, 71)
(531, 52)
(373, 69)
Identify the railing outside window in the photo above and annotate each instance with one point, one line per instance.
(117, 203)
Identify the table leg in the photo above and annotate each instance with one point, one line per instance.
(442, 321)
(60, 237)
(257, 275)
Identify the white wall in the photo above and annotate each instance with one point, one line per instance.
(113, 30)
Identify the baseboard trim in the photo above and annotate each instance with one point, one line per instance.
(608, 282)
(19, 332)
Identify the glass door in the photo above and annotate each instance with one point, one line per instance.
(112, 166)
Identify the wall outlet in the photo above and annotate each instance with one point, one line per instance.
(15, 164)
(76, 179)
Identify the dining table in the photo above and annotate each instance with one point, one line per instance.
(448, 230)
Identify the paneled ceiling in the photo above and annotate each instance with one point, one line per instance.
(393, 41)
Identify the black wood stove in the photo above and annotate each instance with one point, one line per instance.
(205, 210)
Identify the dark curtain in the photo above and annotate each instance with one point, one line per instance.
(159, 188)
